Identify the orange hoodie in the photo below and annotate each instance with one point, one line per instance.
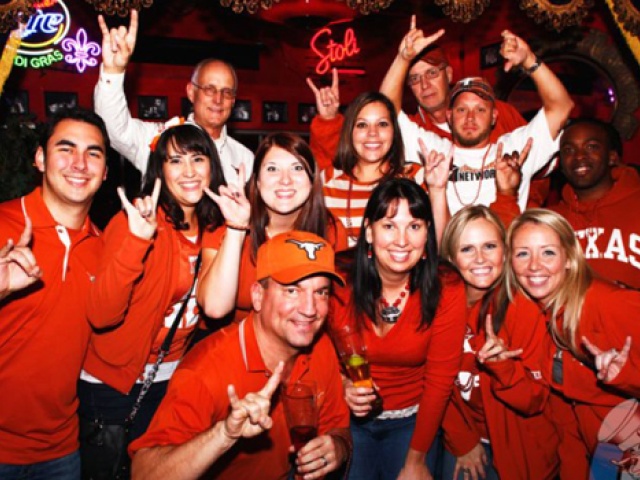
(135, 285)
(609, 228)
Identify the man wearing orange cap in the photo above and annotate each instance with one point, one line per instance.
(290, 301)
(472, 115)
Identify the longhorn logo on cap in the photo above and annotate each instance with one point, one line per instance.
(309, 247)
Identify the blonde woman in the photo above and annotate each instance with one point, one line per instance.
(590, 356)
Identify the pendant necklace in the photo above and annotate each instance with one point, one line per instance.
(455, 188)
(391, 313)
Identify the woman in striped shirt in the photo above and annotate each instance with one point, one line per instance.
(370, 152)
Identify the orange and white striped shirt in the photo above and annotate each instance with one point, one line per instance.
(347, 198)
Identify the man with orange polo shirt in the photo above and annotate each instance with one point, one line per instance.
(189, 435)
(48, 261)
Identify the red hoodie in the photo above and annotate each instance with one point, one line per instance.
(609, 228)
(512, 398)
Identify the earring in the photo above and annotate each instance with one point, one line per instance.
(424, 256)
(369, 251)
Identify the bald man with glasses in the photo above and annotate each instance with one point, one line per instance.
(212, 90)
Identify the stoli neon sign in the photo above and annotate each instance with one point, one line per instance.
(333, 52)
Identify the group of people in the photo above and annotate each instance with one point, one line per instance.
(499, 335)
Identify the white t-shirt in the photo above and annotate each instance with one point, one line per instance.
(471, 182)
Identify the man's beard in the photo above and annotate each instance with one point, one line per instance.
(473, 141)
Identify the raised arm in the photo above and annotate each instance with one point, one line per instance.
(412, 44)
(326, 126)
(218, 282)
(556, 101)
(247, 418)
(508, 179)
(129, 137)
(123, 259)
(436, 177)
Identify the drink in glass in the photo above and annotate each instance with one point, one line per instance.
(357, 368)
(352, 351)
(301, 412)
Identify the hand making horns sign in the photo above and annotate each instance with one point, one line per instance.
(327, 98)
(608, 363)
(494, 349)
(142, 214)
(415, 41)
(118, 44)
(250, 416)
(18, 265)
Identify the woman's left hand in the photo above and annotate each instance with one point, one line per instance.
(609, 363)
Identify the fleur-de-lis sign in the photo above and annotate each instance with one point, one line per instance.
(80, 51)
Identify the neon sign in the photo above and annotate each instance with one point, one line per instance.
(333, 52)
(47, 32)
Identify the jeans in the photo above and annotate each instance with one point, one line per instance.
(449, 465)
(380, 448)
(64, 468)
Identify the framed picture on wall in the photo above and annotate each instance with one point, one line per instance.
(274, 112)
(241, 111)
(490, 56)
(56, 101)
(16, 103)
(152, 108)
(186, 107)
(306, 112)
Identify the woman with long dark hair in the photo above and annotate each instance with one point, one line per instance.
(411, 311)
(146, 276)
(284, 194)
(369, 153)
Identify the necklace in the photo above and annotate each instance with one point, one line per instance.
(455, 188)
(391, 313)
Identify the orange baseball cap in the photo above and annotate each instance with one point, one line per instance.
(292, 256)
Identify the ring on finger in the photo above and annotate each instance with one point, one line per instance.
(324, 461)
